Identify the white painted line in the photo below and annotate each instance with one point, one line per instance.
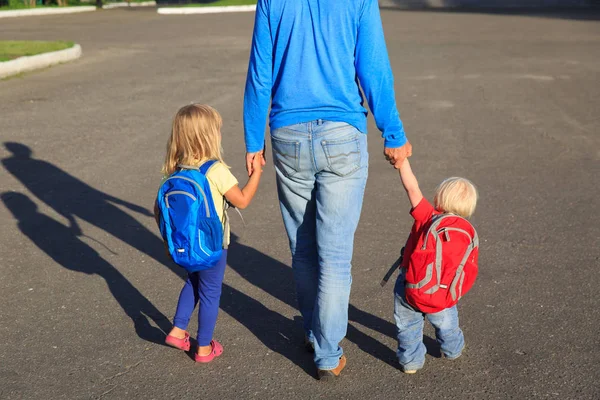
(131, 4)
(205, 10)
(30, 63)
(45, 11)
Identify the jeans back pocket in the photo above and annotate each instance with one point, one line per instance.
(343, 155)
(286, 155)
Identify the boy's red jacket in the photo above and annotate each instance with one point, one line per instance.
(440, 258)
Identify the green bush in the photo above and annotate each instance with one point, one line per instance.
(20, 4)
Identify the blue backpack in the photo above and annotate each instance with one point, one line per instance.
(188, 222)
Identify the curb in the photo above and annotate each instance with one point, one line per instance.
(46, 11)
(108, 6)
(30, 63)
(204, 10)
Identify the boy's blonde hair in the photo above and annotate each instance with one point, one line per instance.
(195, 136)
(457, 196)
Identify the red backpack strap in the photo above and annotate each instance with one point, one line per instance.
(459, 277)
(436, 221)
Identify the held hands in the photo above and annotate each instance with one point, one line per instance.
(255, 162)
(397, 156)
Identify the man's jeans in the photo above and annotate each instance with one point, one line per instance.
(409, 323)
(321, 171)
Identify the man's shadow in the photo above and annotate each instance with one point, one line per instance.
(63, 245)
(70, 197)
(274, 330)
(277, 279)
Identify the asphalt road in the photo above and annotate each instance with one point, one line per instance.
(510, 101)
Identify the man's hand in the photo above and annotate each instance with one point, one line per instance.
(250, 160)
(397, 156)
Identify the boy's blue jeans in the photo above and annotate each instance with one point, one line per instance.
(409, 324)
(321, 169)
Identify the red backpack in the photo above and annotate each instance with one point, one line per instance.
(443, 265)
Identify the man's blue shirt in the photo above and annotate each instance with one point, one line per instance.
(307, 59)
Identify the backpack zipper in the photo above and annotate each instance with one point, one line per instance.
(200, 234)
(178, 192)
(199, 188)
(448, 229)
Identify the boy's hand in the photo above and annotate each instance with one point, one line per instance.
(397, 156)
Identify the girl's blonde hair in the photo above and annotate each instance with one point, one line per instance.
(457, 196)
(195, 137)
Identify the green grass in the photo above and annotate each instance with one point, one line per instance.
(10, 49)
(221, 3)
(20, 5)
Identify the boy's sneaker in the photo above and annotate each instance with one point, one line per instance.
(330, 374)
(409, 371)
(451, 358)
(455, 357)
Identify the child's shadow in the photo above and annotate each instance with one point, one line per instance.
(64, 246)
(277, 279)
(71, 197)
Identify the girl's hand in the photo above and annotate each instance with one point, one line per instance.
(251, 159)
(257, 163)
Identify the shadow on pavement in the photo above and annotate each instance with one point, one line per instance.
(70, 197)
(63, 244)
(276, 332)
(277, 279)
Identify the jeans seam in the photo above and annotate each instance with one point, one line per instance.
(419, 340)
(335, 129)
(451, 332)
(288, 131)
(297, 147)
(313, 159)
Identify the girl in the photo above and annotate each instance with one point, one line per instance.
(196, 138)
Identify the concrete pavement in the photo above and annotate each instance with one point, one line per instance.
(509, 101)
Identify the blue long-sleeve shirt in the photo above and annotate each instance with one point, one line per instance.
(307, 59)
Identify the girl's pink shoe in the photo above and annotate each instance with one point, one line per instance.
(181, 344)
(217, 350)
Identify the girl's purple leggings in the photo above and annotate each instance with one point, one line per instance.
(204, 287)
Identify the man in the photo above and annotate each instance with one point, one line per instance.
(307, 59)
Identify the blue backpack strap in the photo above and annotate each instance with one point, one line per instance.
(206, 166)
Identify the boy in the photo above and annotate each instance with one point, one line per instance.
(458, 198)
